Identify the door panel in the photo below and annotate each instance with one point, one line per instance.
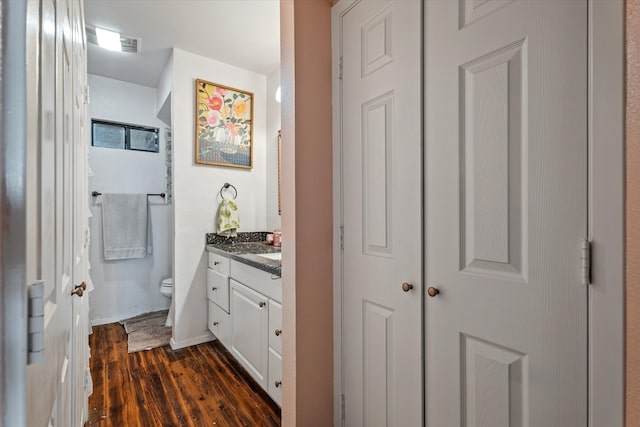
(381, 192)
(48, 143)
(64, 233)
(506, 168)
(48, 382)
(54, 388)
(79, 330)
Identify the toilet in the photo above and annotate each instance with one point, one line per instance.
(166, 289)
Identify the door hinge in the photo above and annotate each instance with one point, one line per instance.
(341, 232)
(340, 68)
(87, 237)
(585, 261)
(35, 337)
(342, 406)
(86, 95)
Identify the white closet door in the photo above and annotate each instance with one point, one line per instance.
(506, 176)
(381, 187)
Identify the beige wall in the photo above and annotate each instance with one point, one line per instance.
(307, 213)
(633, 216)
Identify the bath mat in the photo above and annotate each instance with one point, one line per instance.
(147, 331)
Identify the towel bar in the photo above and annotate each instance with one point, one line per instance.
(163, 195)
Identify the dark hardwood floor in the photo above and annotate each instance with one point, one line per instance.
(197, 386)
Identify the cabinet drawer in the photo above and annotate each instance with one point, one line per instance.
(275, 326)
(275, 377)
(219, 263)
(219, 323)
(218, 288)
(258, 280)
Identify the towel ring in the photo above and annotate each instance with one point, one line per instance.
(226, 187)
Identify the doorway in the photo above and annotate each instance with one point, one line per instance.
(163, 75)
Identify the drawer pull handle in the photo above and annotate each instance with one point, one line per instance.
(216, 323)
(262, 304)
(278, 383)
(213, 288)
(216, 262)
(278, 332)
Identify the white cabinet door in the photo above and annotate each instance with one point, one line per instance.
(506, 153)
(249, 330)
(381, 189)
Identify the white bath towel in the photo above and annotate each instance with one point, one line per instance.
(228, 218)
(125, 226)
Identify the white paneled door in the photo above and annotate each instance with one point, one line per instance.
(80, 325)
(506, 210)
(381, 192)
(56, 195)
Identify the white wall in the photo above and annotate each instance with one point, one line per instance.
(273, 125)
(163, 93)
(196, 187)
(127, 287)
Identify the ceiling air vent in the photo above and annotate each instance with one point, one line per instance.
(129, 44)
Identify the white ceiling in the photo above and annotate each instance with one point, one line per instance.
(244, 33)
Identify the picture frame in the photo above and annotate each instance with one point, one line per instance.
(224, 126)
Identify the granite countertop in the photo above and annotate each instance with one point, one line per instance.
(246, 252)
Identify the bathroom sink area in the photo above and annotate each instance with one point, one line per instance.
(275, 256)
(249, 248)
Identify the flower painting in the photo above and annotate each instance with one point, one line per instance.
(224, 125)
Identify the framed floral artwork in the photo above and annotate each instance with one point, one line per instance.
(224, 125)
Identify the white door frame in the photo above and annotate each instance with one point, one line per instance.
(337, 13)
(13, 169)
(605, 210)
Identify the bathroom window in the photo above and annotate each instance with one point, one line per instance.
(124, 136)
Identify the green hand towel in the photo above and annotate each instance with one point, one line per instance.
(228, 218)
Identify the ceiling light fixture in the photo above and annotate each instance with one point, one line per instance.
(109, 40)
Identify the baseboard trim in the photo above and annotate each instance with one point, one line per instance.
(176, 345)
(113, 319)
(120, 317)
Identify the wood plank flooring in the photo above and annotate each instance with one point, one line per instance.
(197, 386)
